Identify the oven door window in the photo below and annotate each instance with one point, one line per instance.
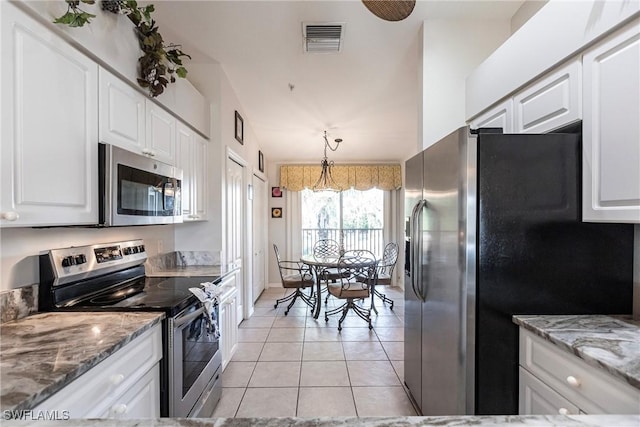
(198, 348)
(144, 193)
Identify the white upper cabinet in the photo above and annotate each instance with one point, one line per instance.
(551, 102)
(500, 116)
(161, 134)
(192, 159)
(122, 114)
(49, 150)
(611, 128)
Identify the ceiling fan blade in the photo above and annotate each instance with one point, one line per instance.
(390, 10)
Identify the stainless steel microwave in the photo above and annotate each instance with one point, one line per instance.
(137, 190)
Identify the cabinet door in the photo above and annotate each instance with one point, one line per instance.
(142, 400)
(185, 160)
(551, 102)
(611, 129)
(49, 126)
(200, 181)
(224, 338)
(161, 134)
(536, 398)
(122, 114)
(500, 116)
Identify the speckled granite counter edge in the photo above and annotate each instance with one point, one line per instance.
(444, 421)
(46, 392)
(622, 375)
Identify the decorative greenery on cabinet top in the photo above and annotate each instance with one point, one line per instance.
(160, 62)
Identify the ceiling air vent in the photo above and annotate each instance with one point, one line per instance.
(322, 37)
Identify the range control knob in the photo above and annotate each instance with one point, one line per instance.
(68, 261)
(141, 248)
(126, 251)
(80, 259)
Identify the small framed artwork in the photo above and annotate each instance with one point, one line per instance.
(276, 192)
(239, 128)
(276, 212)
(260, 161)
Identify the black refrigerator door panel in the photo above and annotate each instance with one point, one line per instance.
(535, 256)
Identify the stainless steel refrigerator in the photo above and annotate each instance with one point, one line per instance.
(494, 228)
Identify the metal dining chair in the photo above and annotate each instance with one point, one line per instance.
(298, 276)
(327, 248)
(356, 273)
(384, 274)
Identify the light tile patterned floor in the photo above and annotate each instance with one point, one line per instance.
(296, 365)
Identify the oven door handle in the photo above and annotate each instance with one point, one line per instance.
(187, 318)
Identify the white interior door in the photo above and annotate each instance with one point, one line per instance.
(259, 226)
(235, 226)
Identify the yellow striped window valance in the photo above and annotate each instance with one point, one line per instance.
(360, 177)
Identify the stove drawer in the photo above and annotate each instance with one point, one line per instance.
(96, 391)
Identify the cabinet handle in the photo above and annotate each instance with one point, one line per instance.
(563, 411)
(119, 409)
(573, 381)
(116, 379)
(9, 216)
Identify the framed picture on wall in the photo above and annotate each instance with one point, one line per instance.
(239, 128)
(276, 212)
(276, 192)
(260, 161)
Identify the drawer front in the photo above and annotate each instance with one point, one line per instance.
(101, 385)
(593, 390)
(536, 398)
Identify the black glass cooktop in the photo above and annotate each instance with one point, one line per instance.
(168, 294)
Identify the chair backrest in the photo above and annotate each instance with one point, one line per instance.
(388, 261)
(357, 268)
(326, 248)
(389, 256)
(292, 271)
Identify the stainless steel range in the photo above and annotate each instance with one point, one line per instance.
(110, 277)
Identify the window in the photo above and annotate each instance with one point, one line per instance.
(352, 218)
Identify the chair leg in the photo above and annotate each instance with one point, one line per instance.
(364, 314)
(348, 305)
(384, 299)
(285, 299)
(333, 311)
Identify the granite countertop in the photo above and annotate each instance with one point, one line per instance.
(450, 421)
(606, 342)
(40, 354)
(187, 264)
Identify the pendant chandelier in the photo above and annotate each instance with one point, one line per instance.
(326, 182)
(390, 10)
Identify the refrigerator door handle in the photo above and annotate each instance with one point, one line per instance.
(412, 250)
(416, 245)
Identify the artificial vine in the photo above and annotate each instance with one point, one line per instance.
(160, 62)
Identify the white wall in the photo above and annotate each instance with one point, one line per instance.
(451, 50)
(20, 247)
(525, 12)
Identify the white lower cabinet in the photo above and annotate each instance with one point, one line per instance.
(553, 381)
(611, 128)
(228, 324)
(49, 127)
(124, 385)
(537, 398)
